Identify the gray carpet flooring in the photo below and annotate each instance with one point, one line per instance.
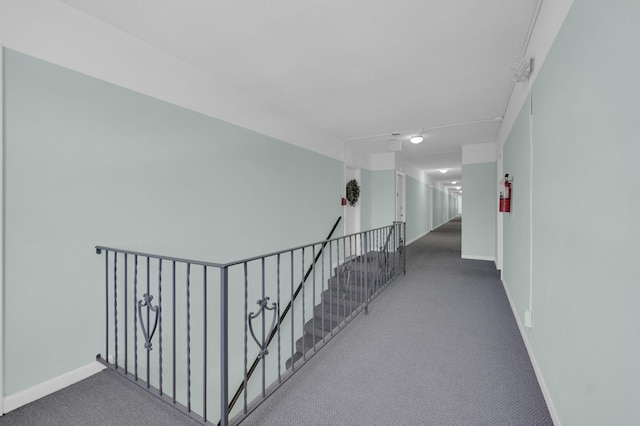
(104, 399)
(440, 346)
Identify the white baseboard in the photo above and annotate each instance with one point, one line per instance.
(470, 256)
(16, 400)
(536, 368)
(417, 238)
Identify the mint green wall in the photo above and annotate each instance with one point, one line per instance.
(417, 207)
(439, 207)
(516, 263)
(90, 163)
(586, 236)
(479, 210)
(453, 206)
(383, 201)
(366, 196)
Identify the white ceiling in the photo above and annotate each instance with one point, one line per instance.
(357, 70)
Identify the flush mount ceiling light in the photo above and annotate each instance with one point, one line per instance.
(443, 170)
(416, 139)
(458, 187)
(453, 182)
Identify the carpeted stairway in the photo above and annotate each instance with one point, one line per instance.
(346, 293)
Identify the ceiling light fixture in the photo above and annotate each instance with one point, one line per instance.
(458, 187)
(453, 182)
(416, 139)
(443, 170)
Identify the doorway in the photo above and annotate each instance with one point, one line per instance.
(401, 181)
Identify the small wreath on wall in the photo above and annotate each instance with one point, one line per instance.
(353, 192)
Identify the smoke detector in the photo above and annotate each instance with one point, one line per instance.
(523, 69)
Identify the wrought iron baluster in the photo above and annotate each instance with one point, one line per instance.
(204, 341)
(135, 315)
(323, 290)
(293, 364)
(366, 273)
(304, 346)
(264, 306)
(264, 366)
(246, 334)
(160, 325)
(126, 314)
(106, 298)
(279, 320)
(173, 307)
(344, 285)
(313, 301)
(330, 288)
(224, 346)
(115, 308)
(188, 337)
(147, 330)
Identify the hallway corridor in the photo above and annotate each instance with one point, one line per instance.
(440, 346)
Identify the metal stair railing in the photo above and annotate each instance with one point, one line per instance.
(182, 328)
(283, 315)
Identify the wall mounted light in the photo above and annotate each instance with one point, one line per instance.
(453, 182)
(443, 170)
(416, 139)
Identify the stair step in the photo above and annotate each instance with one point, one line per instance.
(373, 258)
(297, 356)
(351, 302)
(354, 287)
(345, 293)
(330, 315)
(325, 323)
(334, 313)
(350, 292)
(309, 341)
(316, 328)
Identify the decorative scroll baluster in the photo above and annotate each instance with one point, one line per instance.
(147, 331)
(369, 262)
(264, 306)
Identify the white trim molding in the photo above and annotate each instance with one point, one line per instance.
(417, 238)
(474, 257)
(41, 390)
(543, 386)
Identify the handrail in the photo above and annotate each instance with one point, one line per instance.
(98, 248)
(159, 256)
(238, 393)
(139, 282)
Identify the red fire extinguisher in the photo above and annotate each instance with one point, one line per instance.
(505, 194)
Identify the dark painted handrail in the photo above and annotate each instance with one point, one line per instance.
(238, 393)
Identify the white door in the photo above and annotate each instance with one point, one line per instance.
(400, 197)
(430, 207)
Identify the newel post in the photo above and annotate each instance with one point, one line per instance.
(224, 349)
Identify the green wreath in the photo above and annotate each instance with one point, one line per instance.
(353, 192)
